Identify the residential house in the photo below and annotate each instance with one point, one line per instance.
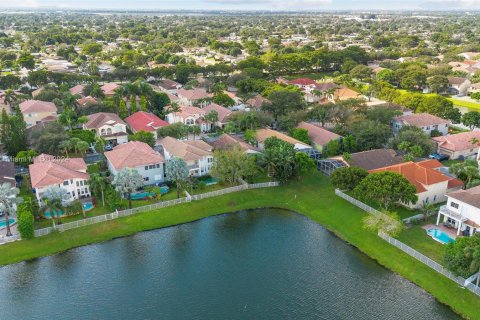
(189, 116)
(462, 211)
(223, 114)
(34, 111)
(194, 97)
(430, 182)
(372, 159)
(144, 121)
(257, 102)
(67, 173)
(169, 86)
(108, 126)
(77, 90)
(196, 153)
(7, 173)
(139, 156)
(264, 134)
(109, 89)
(424, 121)
(85, 101)
(458, 86)
(319, 136)
(459, 146)
(343, 93)
(474, 87)
(226, 141)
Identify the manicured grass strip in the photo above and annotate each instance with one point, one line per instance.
(313, 196)
(466, 104)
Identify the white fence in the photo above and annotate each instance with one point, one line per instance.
(410, 251)
(150, 207)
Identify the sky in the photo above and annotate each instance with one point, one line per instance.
(275, 5)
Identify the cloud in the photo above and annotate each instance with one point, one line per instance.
(19, 3)
(457, 4)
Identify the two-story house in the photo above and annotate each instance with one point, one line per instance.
(462, 145)
(108, 126)
(462, 211)
(222, 114)
(193, 97)
(424, 121)
(139, 156)
(145, 121)
(68, 173)
(197, 154)
(189, 116)
(431, 184)
(36, 111)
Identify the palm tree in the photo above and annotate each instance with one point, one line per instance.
(82, 147)
(195, 130)
(54, 199)
(427, 208)
(98, 184)
(65, 146)
(8, 198)
(10, 98)
(126, 181)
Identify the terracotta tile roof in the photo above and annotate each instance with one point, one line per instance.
(86, 100)
(78, 89)
(186, 111)
(223, 113)
(46, 171)
(98, 120)
(303, 82)
(458, 142)
(421, 119)
(109, 88)
(420, 174)
(257, 101)
(168, 84)
(34, 106)
(133, 154)
(470, 196)
(193, 94)
(318, 135)
(345, 94)
(144, 121)
(264, 134)
(187, 150)
(324, 86)
(226, 141)
(456, 80)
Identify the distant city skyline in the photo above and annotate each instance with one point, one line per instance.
(250, 5)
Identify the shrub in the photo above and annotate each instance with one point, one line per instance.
(25, 222)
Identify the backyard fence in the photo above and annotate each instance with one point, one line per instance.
(150, 207)
(409, 250)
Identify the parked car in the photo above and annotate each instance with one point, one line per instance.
(108, 147)
(439, 157)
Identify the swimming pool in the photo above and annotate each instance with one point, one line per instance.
(87, 206)
(142, 195)
(440, 236)
(3, 223)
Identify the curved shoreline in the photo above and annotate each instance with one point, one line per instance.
(312, 198)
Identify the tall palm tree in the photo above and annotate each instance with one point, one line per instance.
(8, 198)
(427, 208)
(474, 254)
(54, 199)
(10, 98)
(98, 185)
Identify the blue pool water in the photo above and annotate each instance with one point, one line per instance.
(3, 223)
(87, 206)
(142, 195)
(440, 236)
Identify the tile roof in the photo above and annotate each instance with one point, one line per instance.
(78, 89)
(46, 170)
(223, 113)
(187, 150)
(133, 154)
(420, 174)
(318, 135)
(98, 120)
(458, 142)
(374, 159)
(345, 94)
(109, 88)
(264, 134)
(169, 84)
(226, 141)
(86, 100)
(303, 82)
(470, 196)
(257, 101)
(33, 106)
(193, 94)
(144, 121)
(421, 119)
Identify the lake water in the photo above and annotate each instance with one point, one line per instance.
(258, 264)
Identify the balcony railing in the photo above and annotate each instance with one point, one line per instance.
(452, 214)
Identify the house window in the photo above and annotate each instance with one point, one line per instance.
(73, 194)
(151, 166)
(454, 205)
(78, 183)
(146, 178)
(210, 160)
(146, 167)
(434, 197)
(158, 165)
(65, 183)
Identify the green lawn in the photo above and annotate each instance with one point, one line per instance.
(313, 196)
(466, 104)
(416, 237)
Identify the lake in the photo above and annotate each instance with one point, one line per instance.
(256, 264)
